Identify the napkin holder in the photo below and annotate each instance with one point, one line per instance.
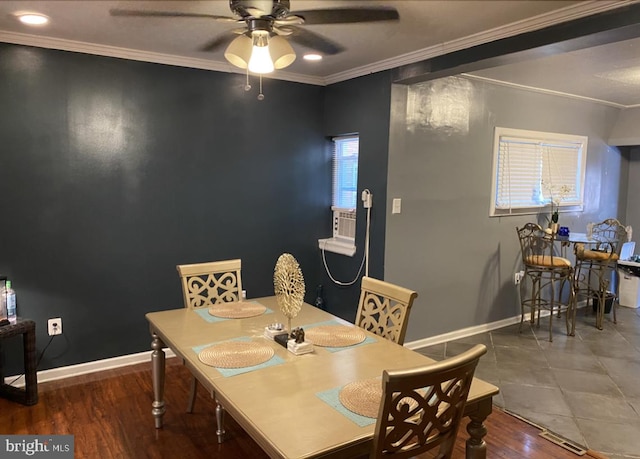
(273, 330)
(277, 333)
(282, 339)
(299, 348)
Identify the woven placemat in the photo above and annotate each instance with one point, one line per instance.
(236, 354)
(334, 335)
(237, 309)
(362, 397)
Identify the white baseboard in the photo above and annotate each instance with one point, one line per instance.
(141, 357)
(88, 367)
(470, 331)
(462, 333)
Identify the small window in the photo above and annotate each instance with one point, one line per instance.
(533, 169)
(345, 172)
(344, 196)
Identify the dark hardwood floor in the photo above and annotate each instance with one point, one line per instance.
(109, 414)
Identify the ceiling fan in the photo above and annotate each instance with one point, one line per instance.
(260, 45)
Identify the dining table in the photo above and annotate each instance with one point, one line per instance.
(290, 405)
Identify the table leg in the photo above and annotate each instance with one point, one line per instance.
(600, 309)
(220, 420)
(476, 447)
(573, 306)
(30, 363)
(157, 370)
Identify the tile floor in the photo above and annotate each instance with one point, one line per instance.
(585, 388)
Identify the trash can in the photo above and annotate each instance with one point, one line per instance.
(608, 302)
(629, 284)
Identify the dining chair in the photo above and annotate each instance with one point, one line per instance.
(206, 284)
(596, 263)
(422, 407)
(548, 282)
(384, 309)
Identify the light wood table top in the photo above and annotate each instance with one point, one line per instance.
(278, 404)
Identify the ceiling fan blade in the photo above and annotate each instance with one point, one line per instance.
(348, 15)
(289, 20)
(217, 43)
(169, 14)
(283, 31)
(315, 41)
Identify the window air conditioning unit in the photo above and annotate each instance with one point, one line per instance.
(344, 233)
(344, 224)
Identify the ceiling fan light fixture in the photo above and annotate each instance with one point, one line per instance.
(239, 50)
(282, 54)
(260, 61)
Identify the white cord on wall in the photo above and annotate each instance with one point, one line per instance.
(367, 199)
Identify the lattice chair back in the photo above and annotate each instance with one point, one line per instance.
(612, 235)
(384, 309)
(422, 407)
(204, 284)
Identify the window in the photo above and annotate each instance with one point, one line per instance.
(344, 196)
(345, 172)
(531, 169)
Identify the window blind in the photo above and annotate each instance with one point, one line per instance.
(345, 172)
(531, 171)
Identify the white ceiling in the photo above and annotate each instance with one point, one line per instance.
(608, 73)
(425, 29)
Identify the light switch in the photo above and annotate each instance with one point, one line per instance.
(396, 207)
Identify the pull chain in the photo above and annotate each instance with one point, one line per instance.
(260, 96)
(247, 87)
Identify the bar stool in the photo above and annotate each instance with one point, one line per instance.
(549, 277)
(596, 263)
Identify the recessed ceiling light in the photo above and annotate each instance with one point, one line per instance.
(32, 18)
(312, 57)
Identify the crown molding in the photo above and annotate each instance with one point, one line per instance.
(543, 91)
(142, 56)
(576, 11)
(572, 12)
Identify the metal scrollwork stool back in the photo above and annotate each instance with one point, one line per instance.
(548, 277)
(596, 263)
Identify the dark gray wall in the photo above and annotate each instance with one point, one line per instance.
(114, 171)
(361, 105)
(444, 244)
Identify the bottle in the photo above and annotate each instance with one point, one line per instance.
(319, 303)
(3, 308)
(9, 298)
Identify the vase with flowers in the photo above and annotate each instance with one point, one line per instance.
(556, 196)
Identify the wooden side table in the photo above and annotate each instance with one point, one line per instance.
(28, 395)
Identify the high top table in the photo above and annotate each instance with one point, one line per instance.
(279, 405)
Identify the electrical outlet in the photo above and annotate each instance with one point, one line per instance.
(55, 326)
(517, 278)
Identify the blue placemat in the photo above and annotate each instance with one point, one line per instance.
(204, 313)
(226, 372)
(331, 397)
(367, 340)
